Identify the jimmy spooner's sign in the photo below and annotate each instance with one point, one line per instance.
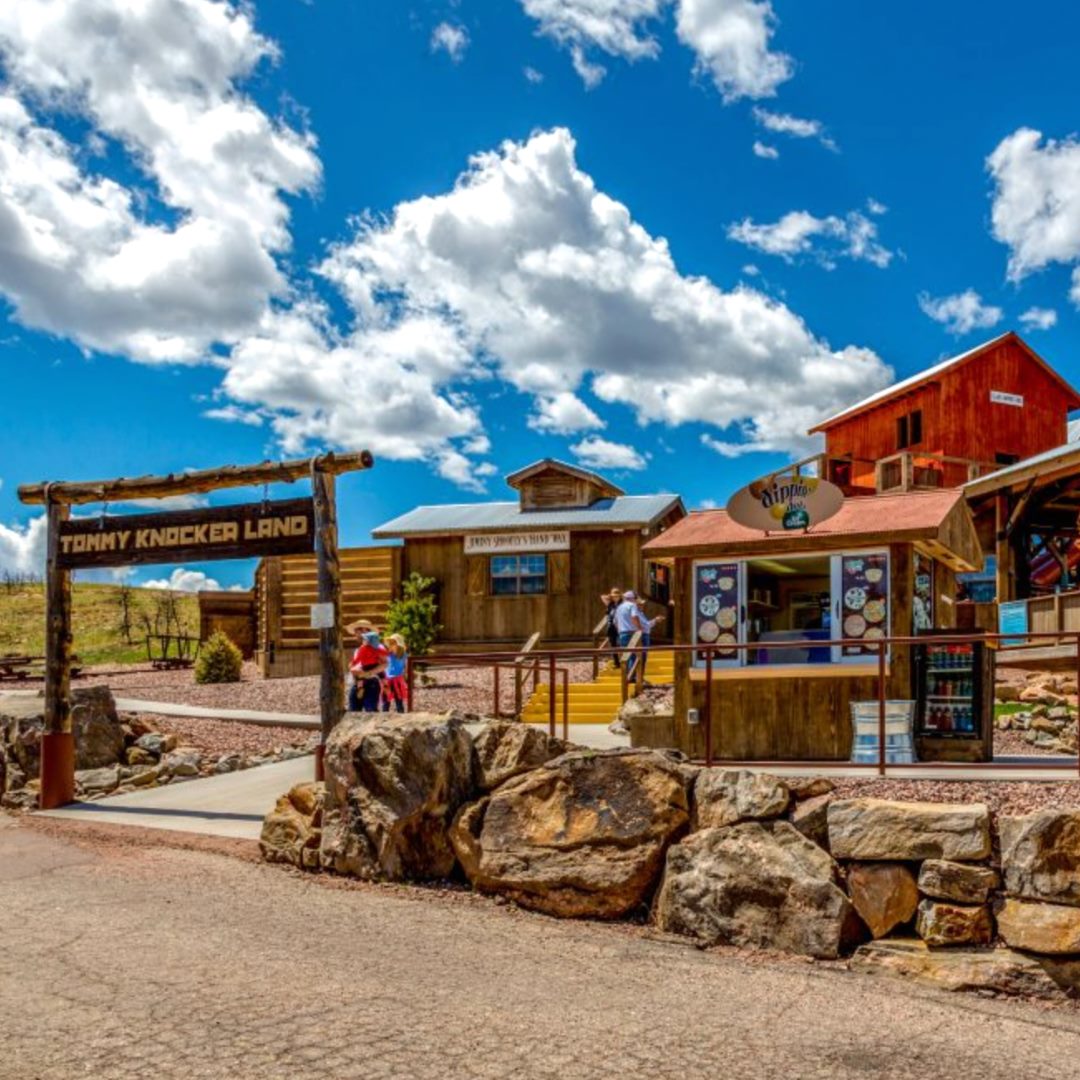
(284, 527)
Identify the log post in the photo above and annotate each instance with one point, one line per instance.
(57, 740)
(332, 683)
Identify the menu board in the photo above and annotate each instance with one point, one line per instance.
(716, 607)
(922, 605)
(864, 601)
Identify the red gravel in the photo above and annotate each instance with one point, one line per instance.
(1002, 796)
(216, 738)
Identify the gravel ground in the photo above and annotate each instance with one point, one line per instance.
(215, 738)
(151, 961)
(1002, 796)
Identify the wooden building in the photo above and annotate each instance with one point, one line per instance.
(968, 416)
(233, 613)
(882, 566)
(506, 570)
(502, 570)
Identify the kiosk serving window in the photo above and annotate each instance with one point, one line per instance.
(770, 602)
(518, 575)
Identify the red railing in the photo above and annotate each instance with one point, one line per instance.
(878, 653)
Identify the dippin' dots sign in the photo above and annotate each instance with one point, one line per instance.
(785, 503)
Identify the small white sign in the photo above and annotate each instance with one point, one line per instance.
(322, 616)
(999, 397)
(509, 543)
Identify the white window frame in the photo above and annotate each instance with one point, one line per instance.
(836, 604)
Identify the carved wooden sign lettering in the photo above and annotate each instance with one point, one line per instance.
(283, 527)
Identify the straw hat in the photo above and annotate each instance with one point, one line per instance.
(360, 624)
(397, 639)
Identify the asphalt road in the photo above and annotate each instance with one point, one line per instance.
(121, 961)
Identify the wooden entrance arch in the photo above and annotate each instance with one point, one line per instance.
(181, 537)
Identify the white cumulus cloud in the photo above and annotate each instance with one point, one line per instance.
(527, 264)
(962, 312)
(563, 413)
(1037, 318)
(22, 547)
(184, 580)
(763, 150)
(162, 267)
(450, 39)
(797, 233)
(730, 39)
(1036, 202)
(596, 453)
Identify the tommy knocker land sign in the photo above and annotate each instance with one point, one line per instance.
(283, 527)
(784, 502)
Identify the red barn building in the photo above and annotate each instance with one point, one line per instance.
(964, 418)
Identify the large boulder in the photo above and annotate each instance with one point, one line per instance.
(292, 831)
(811, 817)
(756, 884)
(1041, 928)
(962, 882)
(941, 923)
(880, 829)
(884, 895)
(99, 735)
(727, 796)
(505, 750)
(582, 835)
(393, 785)
(1000, 971)
(1040, 855)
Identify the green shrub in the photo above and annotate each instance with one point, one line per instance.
(219, 660)
(415, 615)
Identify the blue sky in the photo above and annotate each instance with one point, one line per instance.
(276, 215)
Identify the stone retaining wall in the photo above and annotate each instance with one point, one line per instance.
(926, 890)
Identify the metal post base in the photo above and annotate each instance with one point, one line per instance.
(57, 770)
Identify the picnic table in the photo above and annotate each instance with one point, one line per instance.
(18, 666)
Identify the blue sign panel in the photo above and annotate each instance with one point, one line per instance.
(1013, 619)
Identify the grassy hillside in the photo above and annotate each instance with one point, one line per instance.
(96, 617)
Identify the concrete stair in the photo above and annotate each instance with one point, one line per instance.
(598, 701)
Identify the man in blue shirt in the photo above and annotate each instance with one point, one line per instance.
(628, 621)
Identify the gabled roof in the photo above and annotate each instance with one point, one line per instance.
(621, 512)
(905, 386)
(939, 519)
(516, 479)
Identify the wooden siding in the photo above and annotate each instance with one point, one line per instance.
(959, 420)
(286, 587)
(554, 489)
(567, 612)
(233, 613)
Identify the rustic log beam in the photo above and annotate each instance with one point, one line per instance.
(332, 666)
(57, 741)
(77, 493)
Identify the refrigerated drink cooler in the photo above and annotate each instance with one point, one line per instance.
(954, 700)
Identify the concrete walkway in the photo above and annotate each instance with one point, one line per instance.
(234, 804)
(248, 716)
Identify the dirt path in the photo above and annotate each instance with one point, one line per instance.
(127, 960)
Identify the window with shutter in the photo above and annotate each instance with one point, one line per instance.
(559, 573)
(476, 575)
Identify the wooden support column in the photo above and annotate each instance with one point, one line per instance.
(57, 740)
(1003, 550)
(332, 682)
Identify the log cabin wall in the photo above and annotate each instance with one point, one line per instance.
(286, 587)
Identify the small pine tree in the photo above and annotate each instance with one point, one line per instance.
(219, 660)
(415, 615)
